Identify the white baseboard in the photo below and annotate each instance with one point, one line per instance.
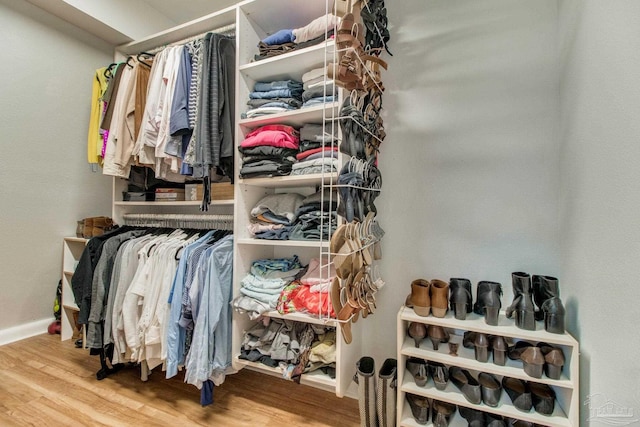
(20, 332)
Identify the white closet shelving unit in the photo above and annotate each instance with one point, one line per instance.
(567, 406)
(256, 20)
(219, 19)
(72, 248)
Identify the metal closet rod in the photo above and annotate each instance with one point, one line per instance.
(225, 30)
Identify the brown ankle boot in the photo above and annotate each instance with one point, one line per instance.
(420, 297)
(439, 297)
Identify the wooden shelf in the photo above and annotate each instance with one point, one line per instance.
(291, 180)
(466, 359)
(295, 118)
(290, 65)
(506, 327)
(284, 243)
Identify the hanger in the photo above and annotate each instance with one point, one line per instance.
(108, 72)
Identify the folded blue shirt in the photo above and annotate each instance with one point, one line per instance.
(280, 37)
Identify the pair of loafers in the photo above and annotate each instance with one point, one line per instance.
(524, 395)
(485, 389)
(440, 412)
(539, 358)
(421, 370)
(484, 344)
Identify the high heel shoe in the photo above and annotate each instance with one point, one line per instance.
(437, 335)
(460, 300)
(419, 408)
(420, 297)
(488, 301)
(533, 361)
(440, 375)
(441, 413)
(554, 361)
(419, 370)
(439, 298)
(553, 315)
(499, 347)
(544, 287)
(417, 331)
(522, 305)
(481, 347)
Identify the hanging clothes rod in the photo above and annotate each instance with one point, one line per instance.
(220, 222)
(227, 30)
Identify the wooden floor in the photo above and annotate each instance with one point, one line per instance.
(46, 382)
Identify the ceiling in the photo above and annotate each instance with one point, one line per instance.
(182, 11)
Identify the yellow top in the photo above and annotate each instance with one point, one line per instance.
(94, 139)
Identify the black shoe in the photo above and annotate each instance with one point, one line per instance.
(468, 385)
(543, 398)
(419, 407)
(522, 305)
(488, 301)
(460, 299)
(519, 393)
(491, 390)
(544, 287)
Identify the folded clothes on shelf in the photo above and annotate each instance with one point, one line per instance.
(287, 40)
(315, 166)
(319, 133)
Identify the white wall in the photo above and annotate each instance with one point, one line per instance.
(470, 162)
(45, 183)
(600, 189)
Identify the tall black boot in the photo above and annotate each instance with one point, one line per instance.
(460, 299)
(544, 287)
(522, 304)
(488, 301)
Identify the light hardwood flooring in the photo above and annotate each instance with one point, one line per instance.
(46, 382)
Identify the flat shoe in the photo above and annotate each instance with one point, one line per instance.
(519, 393)
(543, 398)
(491, 389)
(468, 385)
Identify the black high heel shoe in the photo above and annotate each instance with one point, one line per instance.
(481, 346)
(522, 305)
(488, 301)
(460, 299)
(553, 315)
(499, 347)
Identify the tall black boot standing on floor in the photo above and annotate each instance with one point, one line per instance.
(522, 304)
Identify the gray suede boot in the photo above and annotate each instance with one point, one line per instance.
(366, 379)
(386, 393)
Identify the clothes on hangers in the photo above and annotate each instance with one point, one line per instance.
(174, 114)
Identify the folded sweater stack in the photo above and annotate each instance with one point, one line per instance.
(269, 151)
